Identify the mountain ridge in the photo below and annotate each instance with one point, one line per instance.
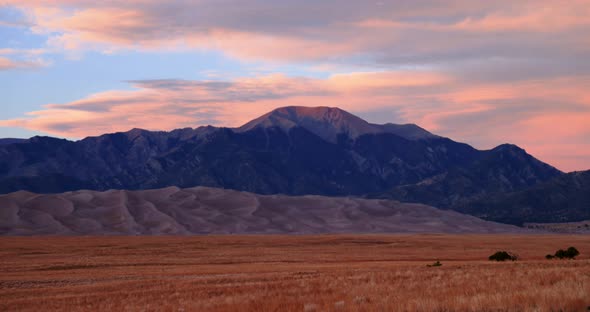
(276, 118)
(332, 153)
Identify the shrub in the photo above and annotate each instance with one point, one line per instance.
(503, 256)
(560, 254)
(572, 252)
(569, 253)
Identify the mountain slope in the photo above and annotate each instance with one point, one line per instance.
(506, 168)
(292, 150)
(204, 210)
(11, 141)
(563, 199)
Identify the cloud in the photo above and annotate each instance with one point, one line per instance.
(8, 64)
(502, 40)
(394, 32)
(25, 59)
(489, 42)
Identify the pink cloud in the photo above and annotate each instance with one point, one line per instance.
(8, 64)
(294, 31)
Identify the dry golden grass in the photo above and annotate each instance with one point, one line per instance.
(292, 273)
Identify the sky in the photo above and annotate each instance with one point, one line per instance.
(480, 72)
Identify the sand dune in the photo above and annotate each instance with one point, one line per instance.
(203, 210)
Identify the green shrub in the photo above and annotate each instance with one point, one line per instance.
(503, 256)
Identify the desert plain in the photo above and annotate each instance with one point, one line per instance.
(293, 273)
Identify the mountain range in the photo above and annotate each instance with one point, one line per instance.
(293, 151)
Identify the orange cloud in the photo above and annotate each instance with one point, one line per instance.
(362, 80)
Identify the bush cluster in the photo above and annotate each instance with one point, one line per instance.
(569, 253)
(503, 256)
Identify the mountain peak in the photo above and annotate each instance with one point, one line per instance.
(135, 132)
(328, 123)
(328, 114)
(508, 147)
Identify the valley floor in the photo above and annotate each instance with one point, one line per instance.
(292, 273)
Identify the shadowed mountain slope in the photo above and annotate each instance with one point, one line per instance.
(11, 141)
(563, 199)
(506, 168)
(203, 210)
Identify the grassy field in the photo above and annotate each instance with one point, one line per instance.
(292, 273)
